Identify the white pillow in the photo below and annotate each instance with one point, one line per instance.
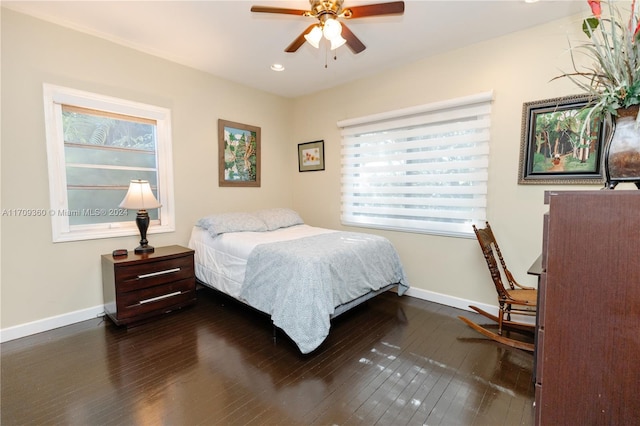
(231, 222)
(279, 218)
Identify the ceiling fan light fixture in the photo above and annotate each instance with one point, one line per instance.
(337, 42)
(332, 29)
(314, 37)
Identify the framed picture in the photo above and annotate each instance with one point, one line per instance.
(559, 145)
(311, 156)
(238, 154)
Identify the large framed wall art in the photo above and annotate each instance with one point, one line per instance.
(238, 154)
(561, 142)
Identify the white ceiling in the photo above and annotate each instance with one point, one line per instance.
(225, 39)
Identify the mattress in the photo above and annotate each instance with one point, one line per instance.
(221, 262)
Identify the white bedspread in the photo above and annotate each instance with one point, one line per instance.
(221, 262)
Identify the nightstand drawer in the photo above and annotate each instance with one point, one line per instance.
(152, 299)
(134, 277)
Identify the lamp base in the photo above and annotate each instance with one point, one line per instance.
(142, 220)
(144, 249)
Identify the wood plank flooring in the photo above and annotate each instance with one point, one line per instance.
(393, 361)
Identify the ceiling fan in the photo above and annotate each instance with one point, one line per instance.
(327, 13)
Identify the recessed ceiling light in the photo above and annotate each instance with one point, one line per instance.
(277, 67)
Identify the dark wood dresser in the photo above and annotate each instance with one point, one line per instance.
(588, 336)
(138, 287)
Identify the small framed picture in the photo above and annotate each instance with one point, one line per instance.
(311, 156)
(561, 143)
(238, 154)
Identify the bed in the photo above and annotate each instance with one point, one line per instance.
(301, 276)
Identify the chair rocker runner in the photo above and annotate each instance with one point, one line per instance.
(512, 299)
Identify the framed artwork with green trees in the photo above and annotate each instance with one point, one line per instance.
(561, 142)
(238, 154)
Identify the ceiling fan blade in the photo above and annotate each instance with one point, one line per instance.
(391, 8)
(267, 9)
(299, 41)
(353, 42)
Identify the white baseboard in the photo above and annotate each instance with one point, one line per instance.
(46, 324)
(456, 302)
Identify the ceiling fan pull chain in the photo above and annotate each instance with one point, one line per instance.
(326, 55)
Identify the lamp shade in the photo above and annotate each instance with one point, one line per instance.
(332, 28)
(337, 41)
(139, 196)
(314, 36)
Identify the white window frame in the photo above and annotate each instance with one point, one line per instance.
(421, 169)
(54, 98)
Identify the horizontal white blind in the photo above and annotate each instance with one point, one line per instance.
(420, 169)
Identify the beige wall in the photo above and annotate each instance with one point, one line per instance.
(41, 279)
(518, 68)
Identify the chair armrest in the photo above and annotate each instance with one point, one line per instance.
(523, 287)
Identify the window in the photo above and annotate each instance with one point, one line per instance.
(95, 146)
(420, 169)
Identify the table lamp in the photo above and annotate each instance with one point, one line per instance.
(140, 197)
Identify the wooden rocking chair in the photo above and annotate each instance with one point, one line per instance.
(513, 299)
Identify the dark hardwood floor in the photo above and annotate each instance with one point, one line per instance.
(393, 361)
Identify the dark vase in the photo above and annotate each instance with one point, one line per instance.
(622, 154)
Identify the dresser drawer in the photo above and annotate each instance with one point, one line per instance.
(539, 356)
(545, 240)
(538, 404)
(134, 277)
(153, 299)
(542, 299)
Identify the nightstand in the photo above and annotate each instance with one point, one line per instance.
(138, 287)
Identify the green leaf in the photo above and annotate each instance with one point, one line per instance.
(589, 25)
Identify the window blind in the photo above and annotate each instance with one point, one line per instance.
(420, 169)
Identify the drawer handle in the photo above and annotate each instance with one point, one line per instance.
(164, 296)
(154, 274)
